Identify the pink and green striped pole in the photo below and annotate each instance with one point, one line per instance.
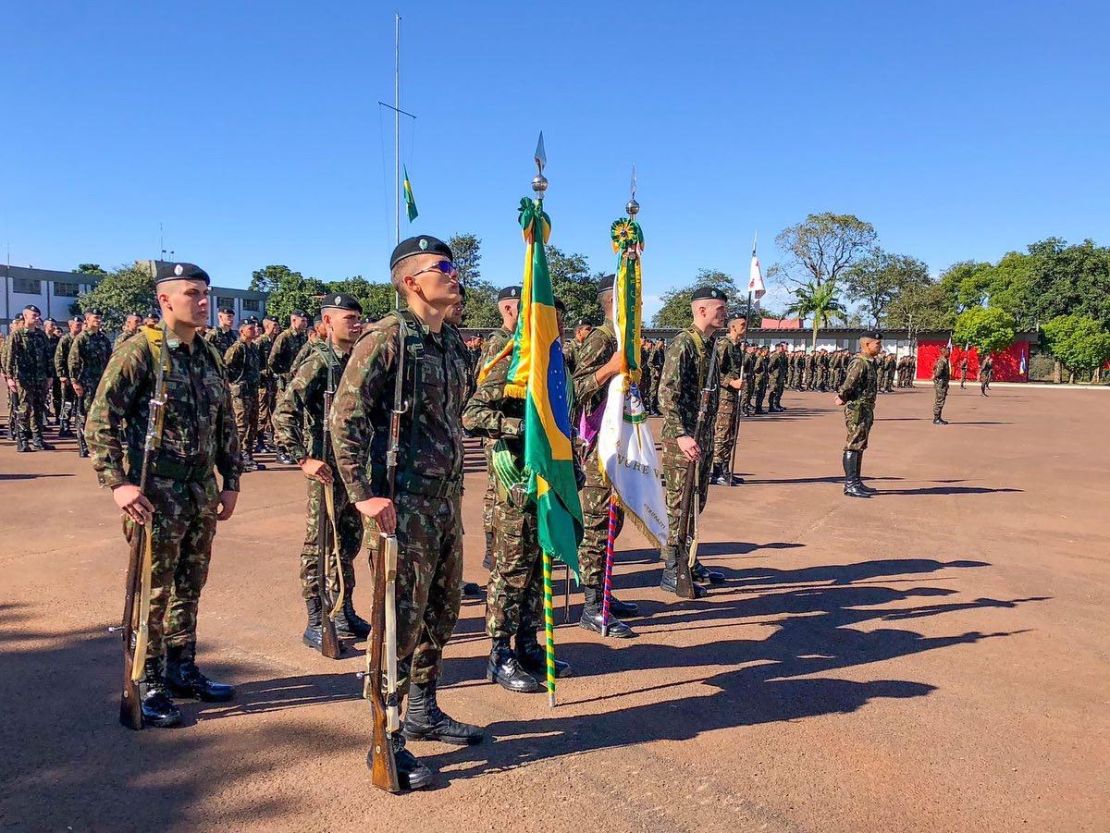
(610, 546)
(549, 627)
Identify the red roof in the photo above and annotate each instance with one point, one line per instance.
(781, 324)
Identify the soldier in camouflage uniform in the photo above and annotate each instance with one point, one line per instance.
(299, 426)
(570, 351)
(182, 501)
(61, 371)
(244, 366)
(54, 387)
(598, 363)
(857, 395)
(280, 364)
(130, 330)
(425, 511)
(890, 366)
(223, 335)
(777, 369)
(761, 373)
(680, 385)
(658, 352)
(963, 371)
(730, 365)
(941, 372)
(986, 374)
(267, 388)
(88, 356)
(28, 368)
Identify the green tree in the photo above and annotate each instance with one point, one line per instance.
(288, 290)
(1069, 280)
(822, 247)
(377, 299)
(1079, 342)
(921, 305)
(574, 285)
(820, 303)
(989, 328)
(467, 249)
(481, 295)
(90, 269)
(878, 279)
(128, 289)
(675, 309)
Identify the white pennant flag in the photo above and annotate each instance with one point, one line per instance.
(755, 279)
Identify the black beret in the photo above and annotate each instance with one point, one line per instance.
(32, 308)
(341, 301)
(424, 245)
(153, 313)
(253, 320)
(584, 322)
(509, 293)
(560, 306)
(606, 283)
(708, 293)
(299, 312)
(227, 310)
(179, 272)
(875, 334)
(80, 318)
(269, 318)
(93, 311)
(51, 321)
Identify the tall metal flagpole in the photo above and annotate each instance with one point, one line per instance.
(397, 123)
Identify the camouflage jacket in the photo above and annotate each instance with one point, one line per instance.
(760, 365)
(302, 354)
(61, 356)
(53, 342)
(299, 413)
(221, 340)
(88, 357)
(430, 458)
(862, 382)
(244, 364)
(122, 339)
(286, 346)
(28, 359)
(777, 364)
(680, 383)
(265, 344)
(730, 363)
(495, 343)
(198, 428)
(941, 370)
(597, 348)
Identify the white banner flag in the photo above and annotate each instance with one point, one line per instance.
(755, 279)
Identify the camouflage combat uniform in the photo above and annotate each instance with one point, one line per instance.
(61, 371)
(680, 385)
(280, 363)
(221, 339)
(122, 339)
(941, 371)
(88, 357)
(495, 343)
(777, 369)
(428, 481)
(54, 388)
(244, 366)
(730, 359)
(267, 398)
(760, 377)
(299, 427)
(28, 362)
(890, 366)
(861, 384)
(198, 435)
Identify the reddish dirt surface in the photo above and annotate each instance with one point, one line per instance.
(933, 659)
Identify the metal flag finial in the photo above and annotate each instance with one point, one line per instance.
(633, 207)
(539, 181)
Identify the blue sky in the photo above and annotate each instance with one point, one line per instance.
(251, 131)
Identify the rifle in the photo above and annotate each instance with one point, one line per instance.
(737, 411)
(384, 708)
(687, 515)
(329, 639)
(136, 611)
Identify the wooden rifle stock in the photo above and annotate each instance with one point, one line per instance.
(130, 704)
(329, 639)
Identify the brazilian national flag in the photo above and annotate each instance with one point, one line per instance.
(410, 200)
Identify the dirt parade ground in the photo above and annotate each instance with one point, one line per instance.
(932, 659)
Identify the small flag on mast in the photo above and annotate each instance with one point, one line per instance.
(755, 277)
(410, 200)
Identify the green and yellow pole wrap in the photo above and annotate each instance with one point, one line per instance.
(549, 627)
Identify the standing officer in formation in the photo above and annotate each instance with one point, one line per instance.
(244, 367)
(130, 330)
(182, 499)
(54, 390)
(266, 386)
(27, 366)
(223, 335)
(570, 352)
(61, 372)
(299, 427)
(286, 346)
(425, 512)
(730, 361)
(857, 395)
(684, 375)
(778, 366)
(598, 363)
(88, 357)
(941, 372)
(986, 373)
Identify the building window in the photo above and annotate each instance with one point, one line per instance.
(26, 286)
(250, 305)
(221, 303)
(66, 290)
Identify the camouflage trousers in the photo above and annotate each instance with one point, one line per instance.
(349, 523)
(858, 417)
(244, 403)
(184, 527)
(490, 496)
(595, 522)
(514, 595)
(724, 428)
(775, 386)
(54, 388)
(32, 408)
(267, 395)
(674, 465)
(13, 406)
(653, 390)
(760, 389)
(429, 581)
(69, 399)
(940, 393)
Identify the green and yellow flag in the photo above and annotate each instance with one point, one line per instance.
(410, 200)
(538, 375)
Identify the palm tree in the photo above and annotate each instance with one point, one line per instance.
(820, 303)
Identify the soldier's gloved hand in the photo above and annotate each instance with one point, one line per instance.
(131, 501)
(689, 447)
(317, 470)
(380, 510)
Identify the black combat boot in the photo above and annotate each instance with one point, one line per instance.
(314, 632)
(699, 572)
(411, 773)
(349, 625)
(718, 476)
(184, 679)
(158, 709)
(504, 668)
(82, 446)
(39, 444)
(851, 475)
(591, 616)
(532, 656)
(425, 720)
(284, 458)
(21, 444)
(939, 421)
(669, 580)
(859, 477)
(619, 608)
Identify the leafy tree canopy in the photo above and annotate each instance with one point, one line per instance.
(675, 309)
(989, 328)
(823, 246)
(1079, 342)
(126, 290)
